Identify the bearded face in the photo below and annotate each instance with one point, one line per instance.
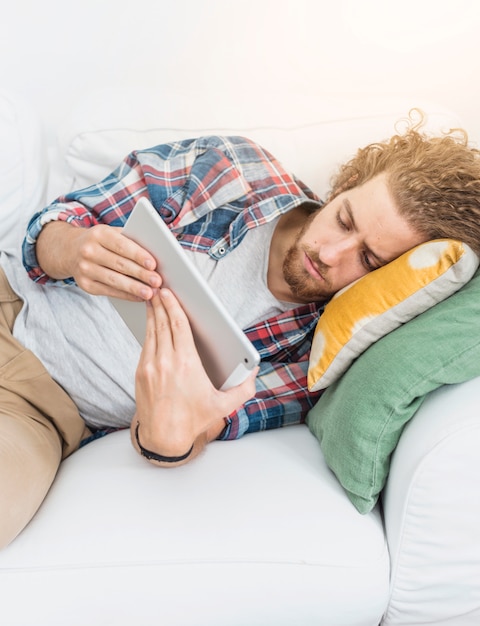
(305, 287)
(353, 234)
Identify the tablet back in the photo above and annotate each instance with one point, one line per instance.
(226, 353)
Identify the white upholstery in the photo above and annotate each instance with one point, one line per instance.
(23, 167)
(310, 137)
(256, 531)
(432, 512)
(253, 532)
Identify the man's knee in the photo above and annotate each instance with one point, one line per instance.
(30, 454)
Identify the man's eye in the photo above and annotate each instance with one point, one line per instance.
(367, 263)
(341, 223)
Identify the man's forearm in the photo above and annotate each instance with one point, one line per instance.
(55, 249)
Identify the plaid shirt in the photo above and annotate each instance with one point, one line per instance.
(210, 191)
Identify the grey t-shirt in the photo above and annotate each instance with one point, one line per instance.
(240, 279)
(83, 343)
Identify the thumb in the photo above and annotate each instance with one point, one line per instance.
(238, 395)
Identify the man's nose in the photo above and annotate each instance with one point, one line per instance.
(334, 251)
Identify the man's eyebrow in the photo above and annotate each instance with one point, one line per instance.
(348, 209)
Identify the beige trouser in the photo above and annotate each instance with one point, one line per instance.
(39, 425)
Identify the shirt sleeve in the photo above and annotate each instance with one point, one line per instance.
(282, 399)
(185, 180)
(107, 202)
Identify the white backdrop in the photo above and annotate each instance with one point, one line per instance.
(53, 51)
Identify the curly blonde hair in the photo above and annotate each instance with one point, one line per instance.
(434, 180)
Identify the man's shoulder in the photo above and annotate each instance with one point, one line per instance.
(237, 147)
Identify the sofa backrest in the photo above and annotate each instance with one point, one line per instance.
(310, 137)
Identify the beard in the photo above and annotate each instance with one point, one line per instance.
(303, 286)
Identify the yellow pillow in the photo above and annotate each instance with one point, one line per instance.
(379, 302)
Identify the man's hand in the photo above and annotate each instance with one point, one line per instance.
(100, 259)
(177, 405)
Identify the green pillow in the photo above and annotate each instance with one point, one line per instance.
(359, 419)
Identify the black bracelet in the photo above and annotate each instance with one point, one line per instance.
(153, 456)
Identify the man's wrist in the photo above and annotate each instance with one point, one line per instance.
(53, 249)
(153, 456)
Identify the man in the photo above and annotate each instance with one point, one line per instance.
(271, 250)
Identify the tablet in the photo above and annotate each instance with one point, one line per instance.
(226, 353)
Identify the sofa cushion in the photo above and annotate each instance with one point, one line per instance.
(383, 300)
(359, 419)
(23, 167)
(255, 531)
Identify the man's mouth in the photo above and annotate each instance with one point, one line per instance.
(312, 268)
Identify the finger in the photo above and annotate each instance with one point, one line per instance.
(121, 295)
(100, 279)
(130, 259)
(236, 396)
(150, 343)
(100, 288)
(123, 246)
(181, 331)
(107, 257)
(120, 273)
(162, 324)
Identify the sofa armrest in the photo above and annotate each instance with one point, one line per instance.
(432, 512)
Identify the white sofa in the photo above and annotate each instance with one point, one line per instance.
(258, 531)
